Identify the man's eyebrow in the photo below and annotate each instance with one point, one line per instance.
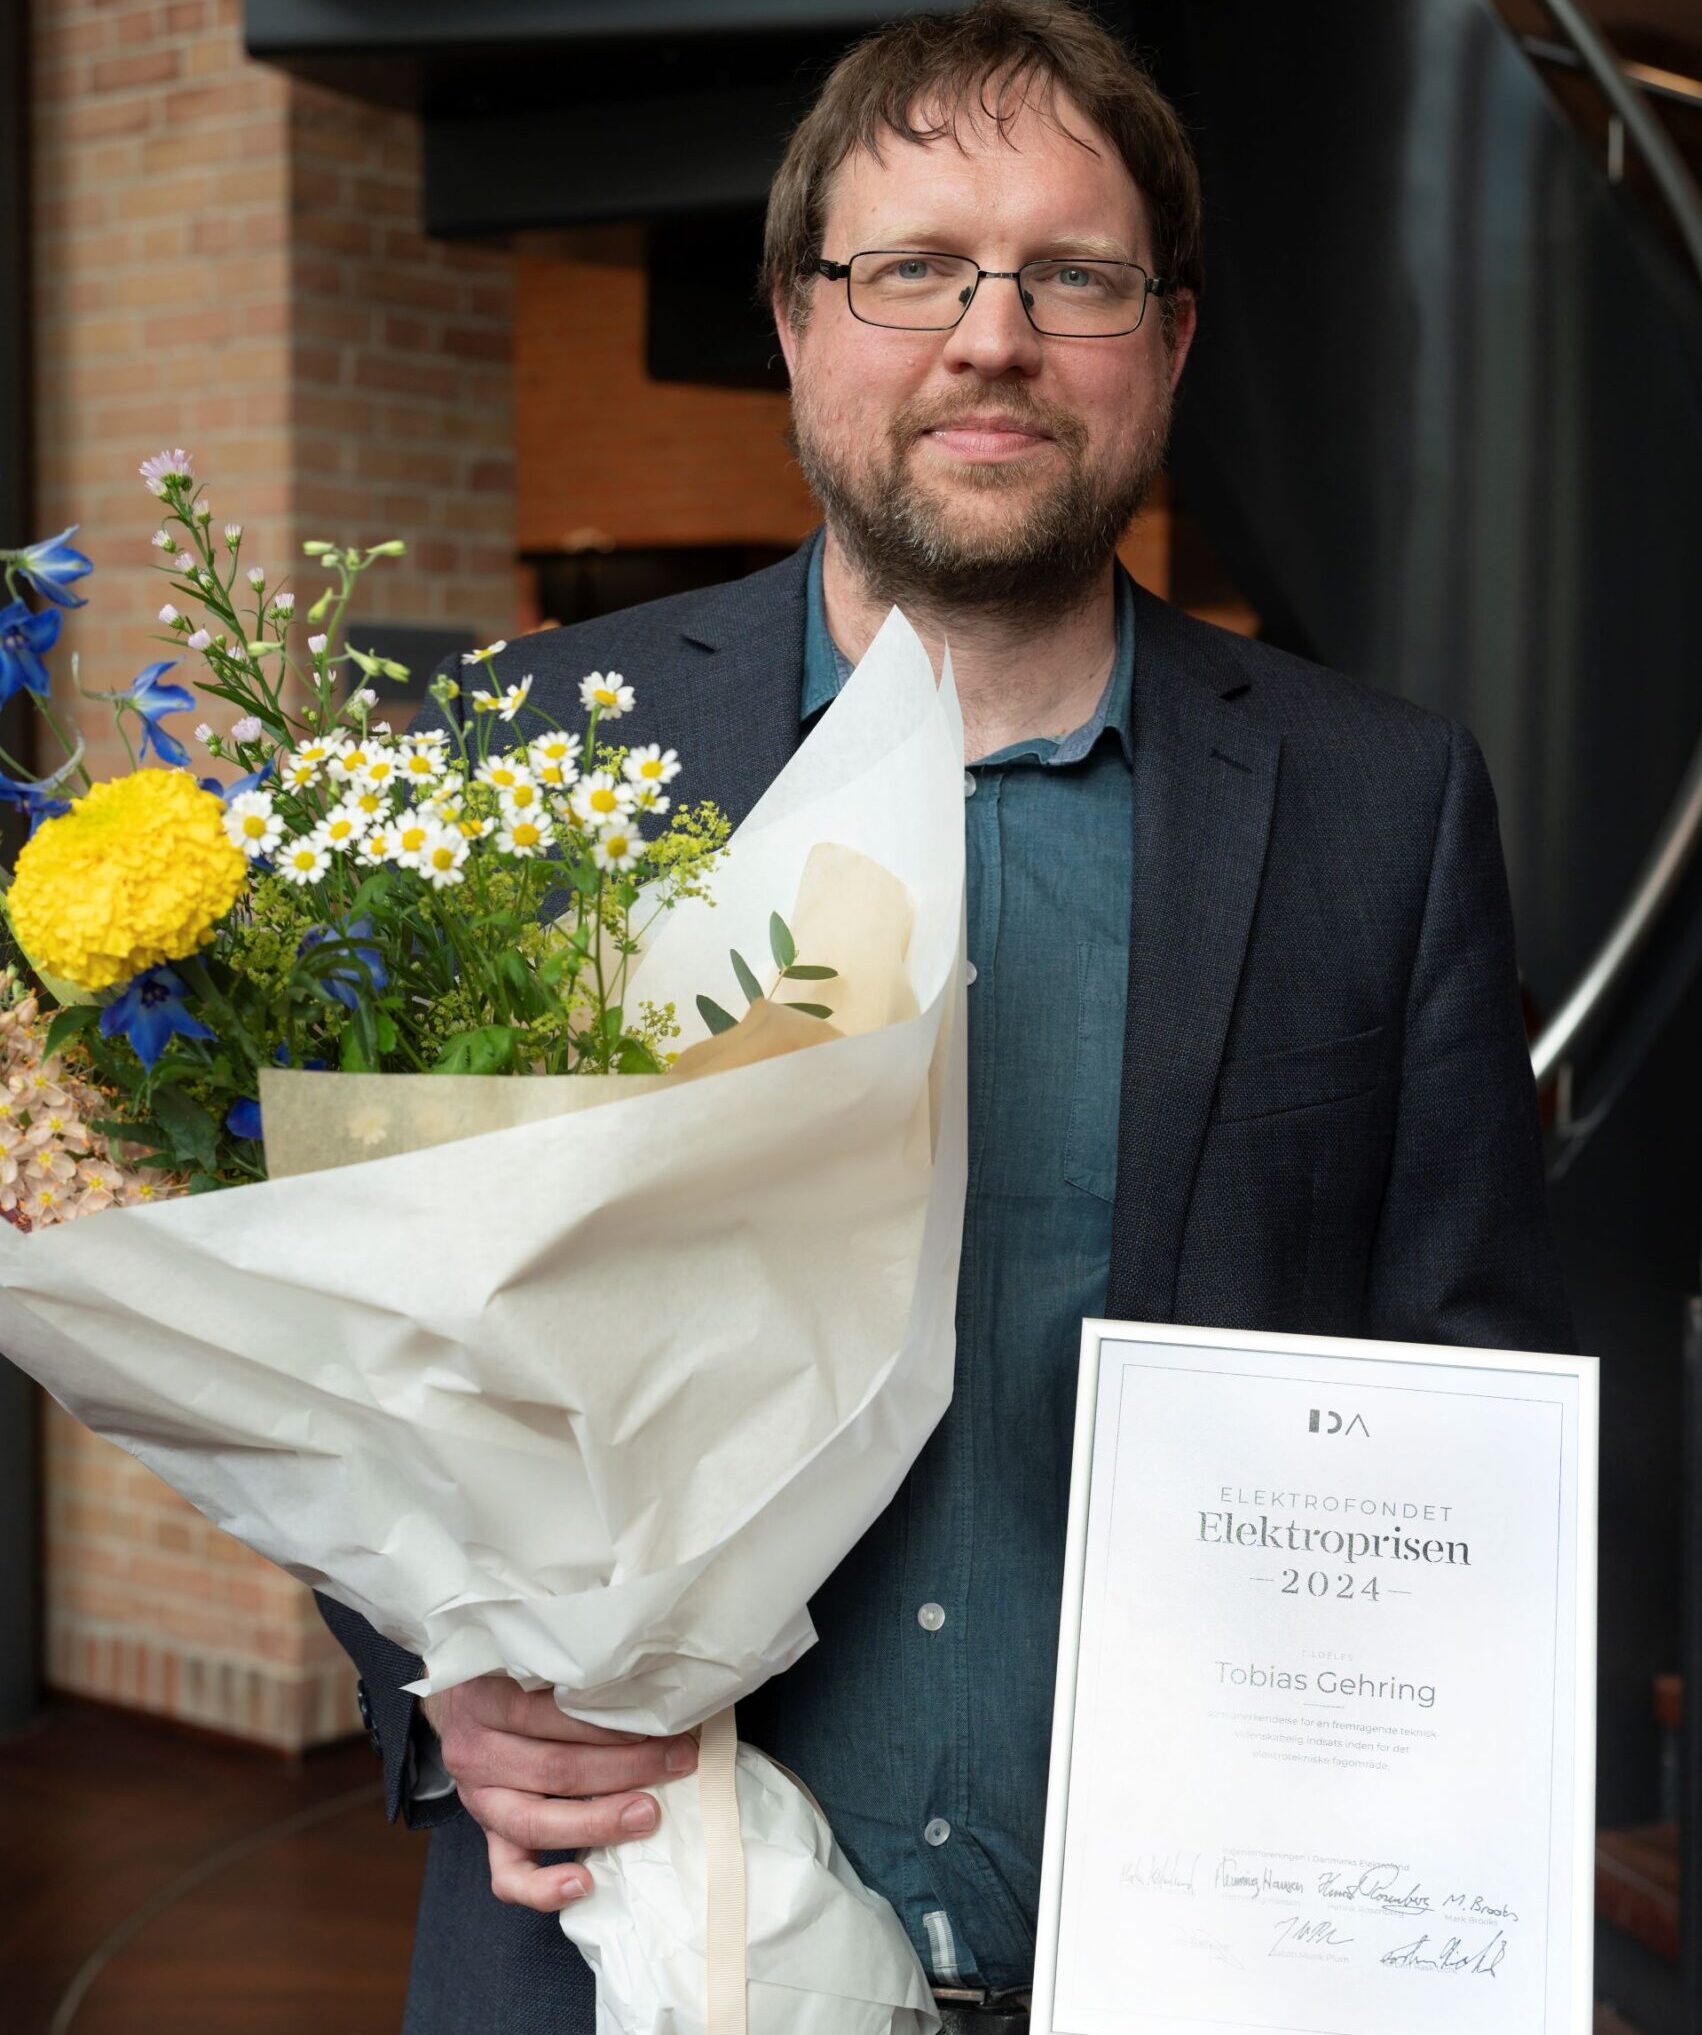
(928, 240)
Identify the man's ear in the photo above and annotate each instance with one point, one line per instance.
(1184, 319)
(779, 303)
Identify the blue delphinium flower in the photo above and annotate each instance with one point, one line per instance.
(150, 1012)
(361, 967)
(242, 1119)
(252, 782)
(50, 566)
(24, 635)
(153, 702)
(36, 798)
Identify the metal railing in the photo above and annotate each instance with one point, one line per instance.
(1675, 845)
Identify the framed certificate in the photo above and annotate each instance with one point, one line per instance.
(1323, 1752)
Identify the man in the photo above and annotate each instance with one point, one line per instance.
(1245, 1045)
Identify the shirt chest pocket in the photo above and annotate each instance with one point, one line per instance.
(1096, 1080)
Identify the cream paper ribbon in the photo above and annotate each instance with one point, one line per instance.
(724, 1867)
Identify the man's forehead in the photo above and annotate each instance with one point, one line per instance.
(1039, 150)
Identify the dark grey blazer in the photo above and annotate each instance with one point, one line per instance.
(1326, 1117)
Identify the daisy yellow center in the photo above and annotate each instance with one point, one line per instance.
(525, 834)
(443, 858)
(651, 767)
(602, 801)
(254, 825)
(412, 838)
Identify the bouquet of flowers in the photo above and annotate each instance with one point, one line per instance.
(590, 1377)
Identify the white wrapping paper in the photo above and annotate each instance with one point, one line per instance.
(598, 1401)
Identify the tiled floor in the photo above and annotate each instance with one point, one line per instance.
(153, 1883)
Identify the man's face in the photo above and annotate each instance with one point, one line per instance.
(988, 466)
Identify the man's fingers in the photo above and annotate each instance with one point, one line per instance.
(517, 1878)
(537, 1823)
(536, 1766)
(502, 1705)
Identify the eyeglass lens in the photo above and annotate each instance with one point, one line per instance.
(922, 292)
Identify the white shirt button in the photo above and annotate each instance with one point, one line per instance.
(970, 971)
(969, 784)
(937, 1831)
(931, 1617)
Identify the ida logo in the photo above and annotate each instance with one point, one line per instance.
(1338, 1423)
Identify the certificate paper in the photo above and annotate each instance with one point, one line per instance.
(1323, 1749)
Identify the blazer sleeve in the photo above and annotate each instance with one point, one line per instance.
(1463, 1251)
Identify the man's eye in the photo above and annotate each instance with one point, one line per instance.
(913, 269)
(1079, 278)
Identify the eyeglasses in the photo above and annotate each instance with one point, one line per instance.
(909, 289)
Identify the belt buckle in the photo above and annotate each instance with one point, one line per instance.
(962, 1996)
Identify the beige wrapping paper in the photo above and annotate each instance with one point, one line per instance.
(599, 1399)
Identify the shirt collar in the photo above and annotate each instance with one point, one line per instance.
(826, 668)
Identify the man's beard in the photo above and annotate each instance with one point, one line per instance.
(908, 547)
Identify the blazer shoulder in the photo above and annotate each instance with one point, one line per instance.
(1326, 719)
(649, 637)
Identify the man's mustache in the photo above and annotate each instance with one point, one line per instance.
(915, 419)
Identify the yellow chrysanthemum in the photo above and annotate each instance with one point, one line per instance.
(139, 871)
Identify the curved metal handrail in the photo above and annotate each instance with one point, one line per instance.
(1675, 846)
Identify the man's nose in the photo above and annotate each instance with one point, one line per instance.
(994, 337)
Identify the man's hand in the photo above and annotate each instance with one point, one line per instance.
(534, 1780)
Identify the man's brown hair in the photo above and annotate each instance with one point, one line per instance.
(915, 78)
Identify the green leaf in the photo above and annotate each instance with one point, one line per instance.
(192, 1131)
(717, 1019)
(489, 1050)
(387, 1033)
(809, 972)
(747, 979)
(780, 940)
(66, 1025)
(815, 1010)
(637, 1058)
(353, 1056)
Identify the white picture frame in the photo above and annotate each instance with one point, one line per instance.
(1570, 1382)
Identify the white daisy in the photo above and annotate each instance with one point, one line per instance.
(348, 761)
(442, 858)
(341, 828)
(252, 824)
(514, 698)
(369, 802)
(381, 769)
(299, 772)
(524, 798)
(412, 831)
(303, 861)
(485, 655)
(599, 800)
(378, 844)
(557, 747)
(603, 693)
(651, 766)
(523, 837)
(503, 773)
(617, 847)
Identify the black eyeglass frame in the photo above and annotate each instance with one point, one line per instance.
(840, 271)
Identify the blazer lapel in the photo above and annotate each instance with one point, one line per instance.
(745, 641)
(1205, 785)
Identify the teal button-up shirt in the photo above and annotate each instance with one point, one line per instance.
(923, 1719)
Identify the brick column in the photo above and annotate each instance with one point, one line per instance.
(230, 261)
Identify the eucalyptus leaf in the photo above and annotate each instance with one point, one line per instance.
(717, 1019)
(781, 941)
(815, 1010)
(811, 972)
(747, 978)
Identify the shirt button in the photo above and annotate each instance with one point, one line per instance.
(931, 1617)
(937, 1831)
(970, 971)
(969, 784)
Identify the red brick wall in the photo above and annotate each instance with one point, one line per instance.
(229, 261)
